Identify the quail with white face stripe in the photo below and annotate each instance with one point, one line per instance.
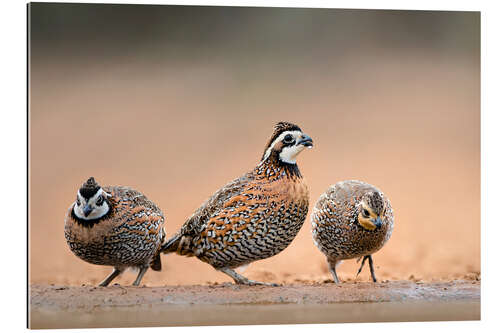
(115, 226)
(255, 216)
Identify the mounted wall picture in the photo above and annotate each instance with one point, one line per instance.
(207, 165)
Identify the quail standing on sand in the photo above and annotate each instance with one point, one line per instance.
(115, 226)
(350, 220)
(253, 217)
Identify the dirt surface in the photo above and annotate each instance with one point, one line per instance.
(54, 306)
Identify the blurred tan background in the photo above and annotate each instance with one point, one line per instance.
(177, 101)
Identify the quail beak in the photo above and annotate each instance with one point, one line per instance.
(377, 222)
(306, 141)
(87, 210)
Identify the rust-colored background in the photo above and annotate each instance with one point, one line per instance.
(177, 101)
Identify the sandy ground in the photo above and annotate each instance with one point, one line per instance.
(54, 306)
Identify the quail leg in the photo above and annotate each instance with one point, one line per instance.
(142, 271)
(114, 274)
(240, 279)
(370, 262)
(332, 265)
(372, 269)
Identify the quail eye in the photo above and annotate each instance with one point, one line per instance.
(99, 200)
(77, 201)
(366, 213)
(288, 138)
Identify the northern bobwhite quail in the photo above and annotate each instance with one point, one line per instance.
(253, 217)
(350, 220)
(115, 226)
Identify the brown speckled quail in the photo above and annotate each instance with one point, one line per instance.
(115, 226)
(351, 219)
(253, 217)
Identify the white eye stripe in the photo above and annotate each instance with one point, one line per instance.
(294, 134)
(80, 199)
